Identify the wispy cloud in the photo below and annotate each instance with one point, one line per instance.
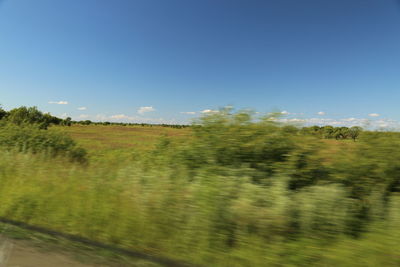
(143, 110)
(84, 116)
(321, 113)
(82, 108)
(136, 119)
(208, 111)
(285, 112)
(189, 112)
(64, 115)
(373, 115)
(386, 124)
(59, 102)
(101, 117)
(119, 116)
(350, 119)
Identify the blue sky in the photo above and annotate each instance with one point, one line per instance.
(154, 60)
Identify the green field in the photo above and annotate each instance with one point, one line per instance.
(98, 137)
(229, 191)
(119, 142)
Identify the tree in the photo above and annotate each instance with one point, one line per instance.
(86, 122)
(328, 131)
(290, 129)
(345, 132)
(31, 115)
(354, 132)
(51, 119)
(3, 113)
(341, 133)
(67, 121)
(24, 115)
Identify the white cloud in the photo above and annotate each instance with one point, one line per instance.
(64, 115)
(386, 124)
(189, 113)
(326, 121)
(294, 120)
(349, 119)
(101, 117)
(59, 102)
(119, 116)
(381, 124)
(136, 119)
(83, 116)
(143, 110)
(208, 111)
(82, 108)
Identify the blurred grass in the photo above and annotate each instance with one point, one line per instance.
(227, 192)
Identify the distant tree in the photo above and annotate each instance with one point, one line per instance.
(31, 115)
(67, 121)
(86, 122)
(3, 113)
(327, 131)
(315, 129)
(289, 129)
(345, 132)
(341, 133)
(354, 132)
(51, 119)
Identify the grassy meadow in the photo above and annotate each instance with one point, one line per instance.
(228, 191)
(108, 141)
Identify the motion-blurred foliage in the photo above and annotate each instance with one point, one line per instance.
(239, 191)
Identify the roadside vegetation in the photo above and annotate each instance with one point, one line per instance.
(230, 190)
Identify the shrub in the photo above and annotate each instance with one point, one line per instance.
(31, 115)
(235, 140)
(31, 138)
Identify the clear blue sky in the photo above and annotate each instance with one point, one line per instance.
(340, 57)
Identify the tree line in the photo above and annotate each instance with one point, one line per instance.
(330, 132)
(89, 122)
(31, 115)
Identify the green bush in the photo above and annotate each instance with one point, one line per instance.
(33, 139)
(31, 115)
(227, 140)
